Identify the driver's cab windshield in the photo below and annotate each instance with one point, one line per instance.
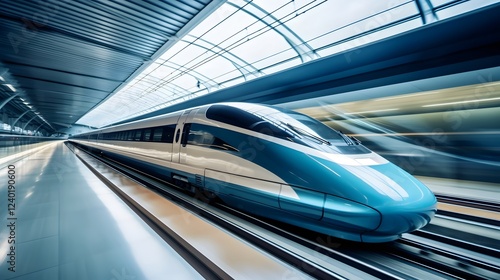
(298, 124)
(285, 124)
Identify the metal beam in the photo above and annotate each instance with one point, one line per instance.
(208, 83)
(301, 47)
(239, 63)
(12, 126)
(7, 100)
(24, 127)
(426, 10)
(200, 16)
(36, 130)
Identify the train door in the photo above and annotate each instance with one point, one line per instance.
(181, 131)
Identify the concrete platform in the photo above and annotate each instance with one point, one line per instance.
(67, 224)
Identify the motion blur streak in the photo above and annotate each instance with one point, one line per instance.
(449, 133)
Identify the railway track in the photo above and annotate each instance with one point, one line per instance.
(456, 258)
(202, 209)
(485, 206)
(415, 256)
(468, 202)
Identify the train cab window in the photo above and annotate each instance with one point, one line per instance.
(200, 135)
(232, 116)
(241, 118)
(146, 135)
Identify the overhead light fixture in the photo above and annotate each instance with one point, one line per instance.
(374, 111)
(11, 87)
(462, 102)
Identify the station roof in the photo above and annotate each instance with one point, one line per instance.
(100, 62)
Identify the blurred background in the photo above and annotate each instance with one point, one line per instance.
(451, 133)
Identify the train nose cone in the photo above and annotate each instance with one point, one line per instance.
(398, 221)
(404, 203)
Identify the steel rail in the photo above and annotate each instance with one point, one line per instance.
(444, 259)
(468, 202)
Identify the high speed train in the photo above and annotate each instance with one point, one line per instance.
(275, 163)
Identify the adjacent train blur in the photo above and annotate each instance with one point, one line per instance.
(275, 163)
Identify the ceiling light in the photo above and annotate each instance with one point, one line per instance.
(11, 87)
(462, 102)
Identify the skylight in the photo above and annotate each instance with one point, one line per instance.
(244, 40)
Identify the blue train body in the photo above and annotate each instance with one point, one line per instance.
(278, 164)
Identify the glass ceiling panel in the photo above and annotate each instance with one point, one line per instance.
(246, 39)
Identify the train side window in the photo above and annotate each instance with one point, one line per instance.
(138, 134)
(130, 135)
(168, 133)
(157, 133)
(147, 135)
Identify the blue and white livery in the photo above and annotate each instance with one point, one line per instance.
(275, 163)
